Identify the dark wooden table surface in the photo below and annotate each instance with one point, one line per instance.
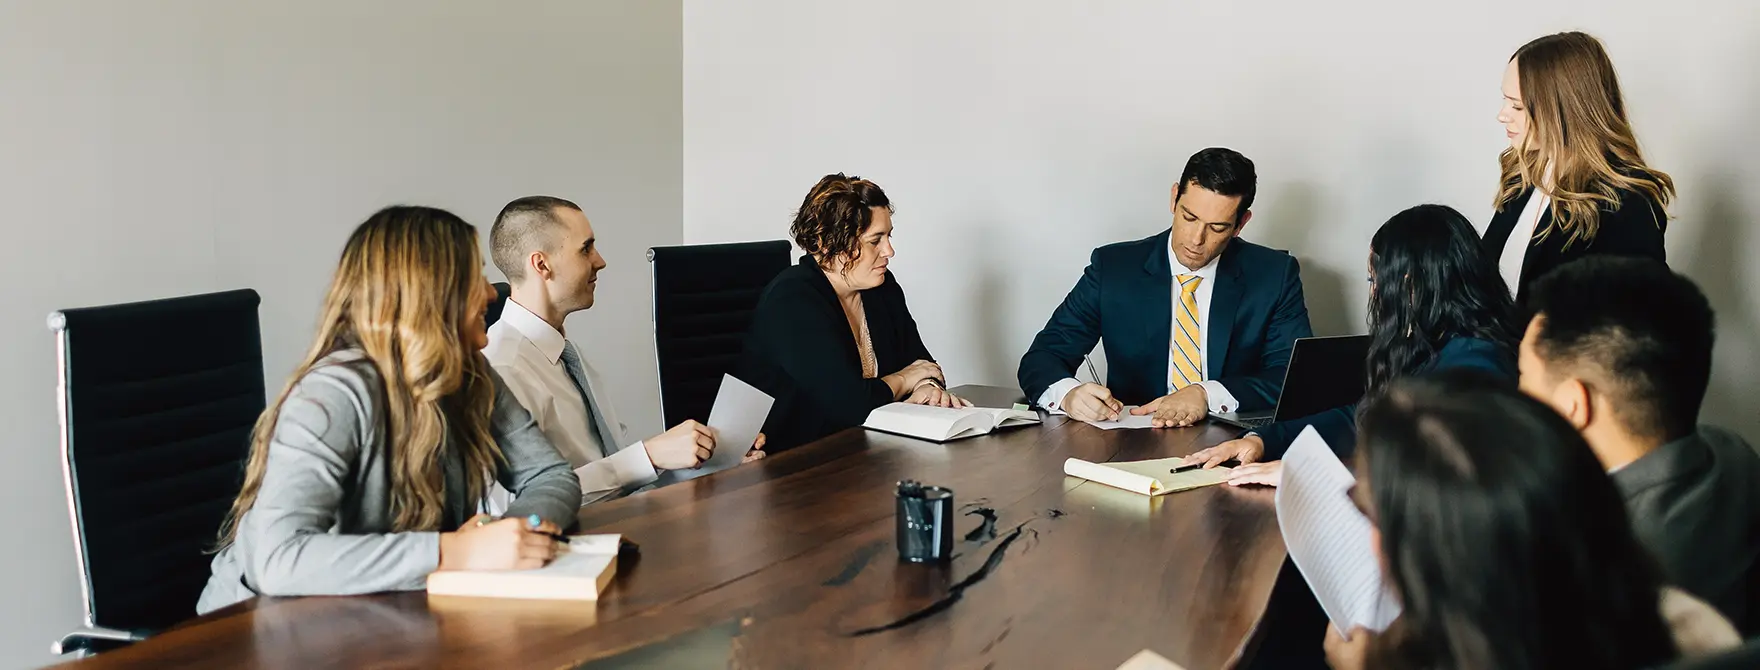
(781, 563)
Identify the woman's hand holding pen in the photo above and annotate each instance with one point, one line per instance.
(484, 543)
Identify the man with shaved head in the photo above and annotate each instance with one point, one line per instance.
(548, 251)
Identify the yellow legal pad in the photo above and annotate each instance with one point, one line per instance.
(1150, 478)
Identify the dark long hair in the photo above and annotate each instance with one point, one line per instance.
(1505, 540)
(1432, 284)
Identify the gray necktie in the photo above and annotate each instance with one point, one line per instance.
(571, 361)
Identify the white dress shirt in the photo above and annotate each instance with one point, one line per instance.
(1521, 239)
(1220, 399)
(527, 352)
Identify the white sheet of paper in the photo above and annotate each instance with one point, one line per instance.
(1329, 538)
(1125, 421)
(736, 418)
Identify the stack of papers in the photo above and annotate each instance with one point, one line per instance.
(1329, 538)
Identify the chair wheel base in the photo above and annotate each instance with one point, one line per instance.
(89, 642)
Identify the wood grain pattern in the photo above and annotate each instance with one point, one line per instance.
(794, 553)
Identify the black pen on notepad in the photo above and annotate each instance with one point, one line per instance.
(1193, 466)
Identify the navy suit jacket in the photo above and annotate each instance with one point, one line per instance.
(1339, 425)
(1125, 299)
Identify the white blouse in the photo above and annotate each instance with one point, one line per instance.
(1521, 239)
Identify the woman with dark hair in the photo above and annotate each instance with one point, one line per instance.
(1573, 182)
(1435, 302)
(1505, 542)
(831, 338)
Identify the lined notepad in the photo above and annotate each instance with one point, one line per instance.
(580, 572)
(1150, 478)
(1329, 538)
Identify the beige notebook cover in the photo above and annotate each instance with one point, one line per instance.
(1150, 478)
(580, 572)
(1149, 660)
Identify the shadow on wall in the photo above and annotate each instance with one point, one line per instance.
(1290, 220)
(998, 360)
(1720, 268)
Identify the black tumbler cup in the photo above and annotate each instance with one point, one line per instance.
(925, 522)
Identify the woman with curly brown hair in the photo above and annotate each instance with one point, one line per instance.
(831, 338)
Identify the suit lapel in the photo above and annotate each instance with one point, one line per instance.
(1158, 314)
(1225, 302)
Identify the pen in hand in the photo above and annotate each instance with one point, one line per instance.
(625, 547)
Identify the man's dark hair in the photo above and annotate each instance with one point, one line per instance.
(1224, 172)
(1632, 330)
(525, 225)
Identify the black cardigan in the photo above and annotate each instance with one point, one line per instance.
(1634, 228)
(800, 351)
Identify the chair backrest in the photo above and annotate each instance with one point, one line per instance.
(156, 400)
(1745, 657)
(703, 301)
(502, 290)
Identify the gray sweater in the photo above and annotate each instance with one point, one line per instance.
(321, 524)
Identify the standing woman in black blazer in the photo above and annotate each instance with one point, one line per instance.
(831, 338)
(1574, 182)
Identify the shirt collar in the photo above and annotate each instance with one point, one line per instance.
(1207, 273)
(548, 340)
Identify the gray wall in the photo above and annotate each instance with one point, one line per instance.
(1015, 137)
(164, 148)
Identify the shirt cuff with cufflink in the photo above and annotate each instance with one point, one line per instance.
(1052, 398)
(1220, 400)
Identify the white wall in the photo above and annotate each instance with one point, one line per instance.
(1016, 136)
(157, 149)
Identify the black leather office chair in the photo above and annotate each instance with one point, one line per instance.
(502, 290)
(703, 301)
(157, 401)
(1745, 657)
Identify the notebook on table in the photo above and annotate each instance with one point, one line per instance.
(942, 424)
(581, 571)
(1150, 478)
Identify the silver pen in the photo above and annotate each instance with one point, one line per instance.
(1091, 372)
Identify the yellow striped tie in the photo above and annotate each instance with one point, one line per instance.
(1187, 358)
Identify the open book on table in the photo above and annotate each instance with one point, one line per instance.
(941, 424)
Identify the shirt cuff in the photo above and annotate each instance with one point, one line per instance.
(1221, 401)
(628, 468)
(1052, 398)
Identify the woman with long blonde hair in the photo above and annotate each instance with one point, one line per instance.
(1574, 182)
(389, 433)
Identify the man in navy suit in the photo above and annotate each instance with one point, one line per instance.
(1194, 320)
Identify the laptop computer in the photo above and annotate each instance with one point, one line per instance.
(1323, 373)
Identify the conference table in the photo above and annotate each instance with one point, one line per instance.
(790, 562)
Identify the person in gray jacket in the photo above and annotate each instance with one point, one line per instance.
(368, 472)
(1622, 348)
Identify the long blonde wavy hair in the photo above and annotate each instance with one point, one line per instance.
(401, 295)
(1577, 127)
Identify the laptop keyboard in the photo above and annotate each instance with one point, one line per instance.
(1258, 422)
